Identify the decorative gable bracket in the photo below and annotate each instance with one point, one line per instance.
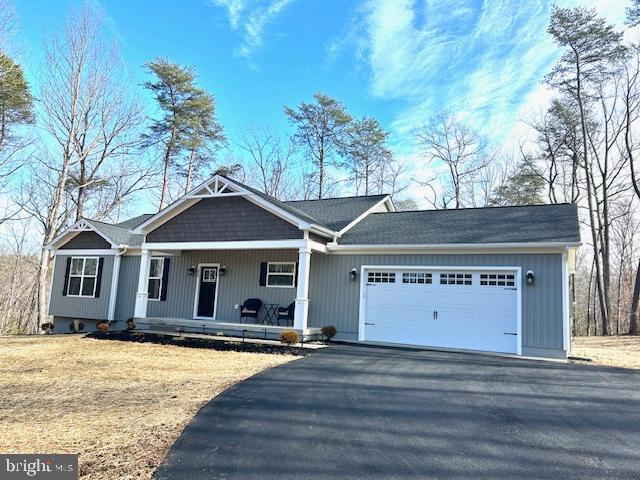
(218, 188)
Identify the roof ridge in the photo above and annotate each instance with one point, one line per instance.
(337, 198)
(477, 208)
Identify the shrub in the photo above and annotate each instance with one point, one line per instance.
(103, 326)
(289, 337)
(47, 326)
(329, 331)
(131, 324)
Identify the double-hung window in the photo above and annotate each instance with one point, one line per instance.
(155, 277)
(83, 275)
(281, 274)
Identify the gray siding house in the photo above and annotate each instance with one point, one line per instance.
(481, 279)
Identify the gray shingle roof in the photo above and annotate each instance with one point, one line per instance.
(120, 233)
(336, 213)
(526, 224)
(332, 213)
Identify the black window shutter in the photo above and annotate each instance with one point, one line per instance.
(99, 276)
(65, 288)
(165, 279)
(263, 274)
(295, 278)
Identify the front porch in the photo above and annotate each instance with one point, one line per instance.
(181, 326)
(202, 289)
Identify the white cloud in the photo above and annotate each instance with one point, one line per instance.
(251, 20)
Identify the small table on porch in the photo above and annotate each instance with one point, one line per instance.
(270, 313)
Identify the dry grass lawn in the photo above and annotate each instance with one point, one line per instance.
(119, 405)
(612, 351)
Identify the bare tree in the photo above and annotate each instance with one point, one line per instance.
(91, 124)
(271, 160)
(591, 48)
(462, 152)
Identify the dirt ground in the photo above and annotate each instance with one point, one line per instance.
(621, 351)
(120, 405)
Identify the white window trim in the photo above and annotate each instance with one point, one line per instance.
(292, 275)
(82, 277)
(156, 278)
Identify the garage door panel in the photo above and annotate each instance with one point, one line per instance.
(477, 317)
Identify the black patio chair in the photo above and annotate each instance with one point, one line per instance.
(250, 308)
(287, 313)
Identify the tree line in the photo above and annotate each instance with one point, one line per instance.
(82, 143)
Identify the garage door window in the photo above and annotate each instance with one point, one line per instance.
(455, 279)
(381, 277)
(498, 280)
(416, 277)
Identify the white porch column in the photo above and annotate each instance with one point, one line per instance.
(114, 287)
(302, 292)
(143, 285)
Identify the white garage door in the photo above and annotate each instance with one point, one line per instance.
(466, 309)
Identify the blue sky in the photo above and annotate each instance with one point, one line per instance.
(401, 61)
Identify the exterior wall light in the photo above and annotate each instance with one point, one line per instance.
(223, 271)
(531, 278)
(191, 270)
(353, 274)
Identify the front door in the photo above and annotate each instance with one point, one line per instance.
(208, 283)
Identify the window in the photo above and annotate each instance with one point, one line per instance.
(281, 274)
(417, 277)
(455, 279)
(381, 277)
(82, 277)
(498, 279)
(209, 275)
(155, 277)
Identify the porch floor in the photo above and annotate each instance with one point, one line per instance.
(219, 328)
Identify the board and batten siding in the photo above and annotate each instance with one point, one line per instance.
(127, 287)
(241, 282)
(334, 298)
(80, 307)
(224, 219)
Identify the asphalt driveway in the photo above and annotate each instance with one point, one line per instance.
(375, 413)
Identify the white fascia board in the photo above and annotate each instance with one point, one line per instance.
(87, 252)
(471, 247)
(237, 245)
(323, 231)
(365, 214)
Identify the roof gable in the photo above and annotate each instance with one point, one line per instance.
(337, 213)
(223, 219)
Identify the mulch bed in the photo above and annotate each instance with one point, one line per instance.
(220, 345)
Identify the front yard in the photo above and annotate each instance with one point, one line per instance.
(119, 405)
(621, 351)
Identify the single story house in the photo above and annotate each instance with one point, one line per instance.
(483, 279)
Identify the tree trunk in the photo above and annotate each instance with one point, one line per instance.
(187, 185)
(592, 221)
(635, 300)
(42, 288)
(165, 179)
